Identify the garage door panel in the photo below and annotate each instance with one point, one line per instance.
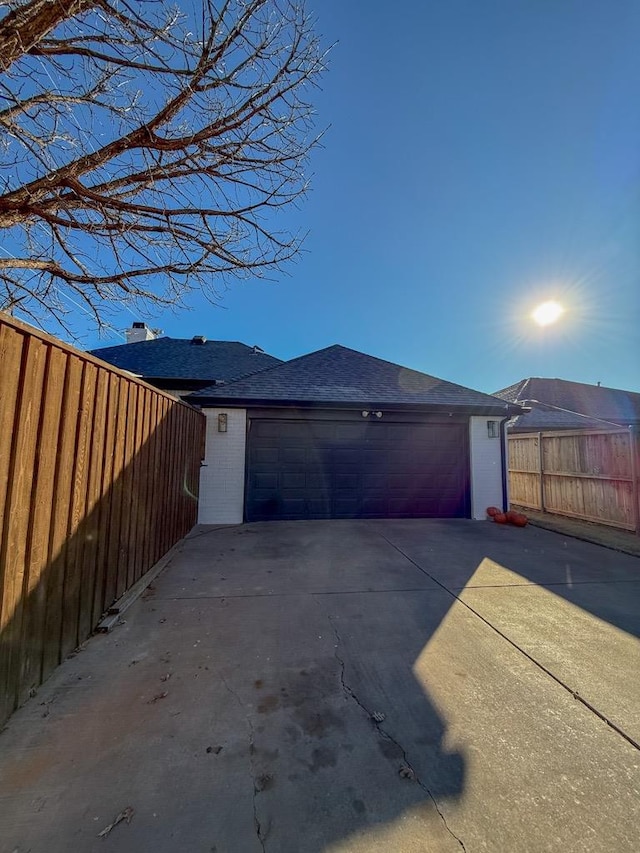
(342, 456)
(292, 506)
(402, 481)
(346, 508)
(347, 481)
(293, 455)
(293, 480)
(375, 506)
(332, 469)
(346, 433)
(321, 431)
(266, 455)
(319, 507)
(262, 481)
(266, 429)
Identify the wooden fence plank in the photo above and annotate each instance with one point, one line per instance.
(167, 532)
(11, 344)
(148, 482)
(147, 554)
(116, 527)
(75, 533)
(116, 524)
(33, 630)
(179, 476)
(18, 514)
(90, 574)
(141, 483)
(163, 517)
(106, 498)
(62, 503)
(180, 473)
(125, 555)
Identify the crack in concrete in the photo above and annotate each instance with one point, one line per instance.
(349, 691)
(261, 835)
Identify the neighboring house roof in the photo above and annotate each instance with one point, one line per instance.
(560, 404)
(341, 376)
(544, 417)
(178, 358)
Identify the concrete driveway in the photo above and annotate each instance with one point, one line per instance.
(324, 687)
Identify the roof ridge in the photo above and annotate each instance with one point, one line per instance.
(412, 370)
(576, 382)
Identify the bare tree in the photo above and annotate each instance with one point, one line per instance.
(144, 148)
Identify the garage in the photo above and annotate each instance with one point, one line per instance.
(309, 469)
(341, 434)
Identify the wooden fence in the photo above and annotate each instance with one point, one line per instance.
(98, 479)
(588, 474)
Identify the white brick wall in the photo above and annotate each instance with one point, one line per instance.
(486, 468)
(222, 476)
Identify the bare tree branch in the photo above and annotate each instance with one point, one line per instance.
(146, 151)
(24, 27)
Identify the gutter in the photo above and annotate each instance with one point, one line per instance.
(439, 408)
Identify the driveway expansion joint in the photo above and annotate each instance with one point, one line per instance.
(584, 702)
(351, 694)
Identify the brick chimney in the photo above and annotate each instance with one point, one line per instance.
(140, 332)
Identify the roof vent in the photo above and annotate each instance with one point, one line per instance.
(256, 349)
(198, 339)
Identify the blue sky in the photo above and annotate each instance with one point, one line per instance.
(481, 157)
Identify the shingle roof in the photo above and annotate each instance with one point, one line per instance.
(179, 358)
(544, 417)
(338, 375)
(577, 398)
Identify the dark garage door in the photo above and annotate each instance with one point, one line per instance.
(334, 469)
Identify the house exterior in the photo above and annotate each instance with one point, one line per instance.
(340, 434)
(557, 404)
(181, 366)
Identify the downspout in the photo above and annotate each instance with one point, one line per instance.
(505, 462)
(513, 409)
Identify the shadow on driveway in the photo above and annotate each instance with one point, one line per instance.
(344, 686)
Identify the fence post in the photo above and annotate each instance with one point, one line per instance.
(634, 441)
(541, 467)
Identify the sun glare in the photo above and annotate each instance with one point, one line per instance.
(548, 313)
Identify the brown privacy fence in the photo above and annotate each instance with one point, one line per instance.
(98, 479)
(588, 474)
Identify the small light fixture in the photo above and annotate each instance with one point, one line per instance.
(365, 413)
(492, 429)
(377, 414)
(222, 422)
